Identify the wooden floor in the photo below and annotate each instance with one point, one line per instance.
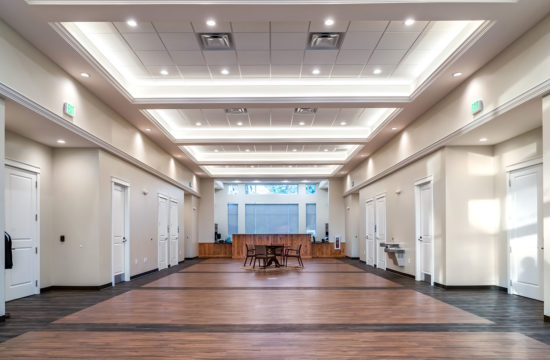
(332, 309)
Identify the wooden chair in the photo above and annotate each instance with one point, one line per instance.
(280, 252)
(294, 253)
(260, 253)
(249, 255)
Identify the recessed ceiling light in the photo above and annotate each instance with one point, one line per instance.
(483, 140)
(315, 71)
(394, 128)
(294, 150)
(164, 72)
(236, 181)
(284, 181)
(409, 22)
(364, 155)
(211, 22)
(148, 129)
(251, 166)
(224, 72)
(457, 74)
(131, 23)
(325, 150)
(377, 71)
(178, 155)
(329, 22)
(85, 75)
(61, 141)
(239, 124)
(343, 123)
(198, 123)
(216, 150)
(302, 123)
(247, 150)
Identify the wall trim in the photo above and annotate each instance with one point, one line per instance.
(401, 273)
(524, 164)
(471, 287)
(72, 287)
(479, 120)
(145, 273)
(21, 165)
(42, 111)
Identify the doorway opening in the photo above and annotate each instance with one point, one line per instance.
(424, 230)
(120, 231)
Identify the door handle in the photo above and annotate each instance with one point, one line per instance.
(124, 240)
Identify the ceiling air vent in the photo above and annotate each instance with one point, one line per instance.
(305, 111)
(325, 41)
(216, 41)
(236, 111)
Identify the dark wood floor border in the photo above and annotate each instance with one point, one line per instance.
(330, 288)
(401, 273)
(471, 287)
(137, 276)
(73, 287)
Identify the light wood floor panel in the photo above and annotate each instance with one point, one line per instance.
(273, 307)
(286, 279)
(342, 345)
(237, 267)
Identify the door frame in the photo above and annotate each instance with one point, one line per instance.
(167, 198)
(377, 248)
(170, 201)
(367, 231)
(36, 171)
(417, 185)
(126, 185)
(509, 170)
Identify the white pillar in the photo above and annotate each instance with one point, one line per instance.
(2, 202)
(546, 201)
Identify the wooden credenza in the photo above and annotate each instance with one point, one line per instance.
(291, 240)
(326, 250)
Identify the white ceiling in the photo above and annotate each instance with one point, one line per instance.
(270, 72)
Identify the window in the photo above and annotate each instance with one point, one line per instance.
(271, 218)
(310, 189)
(232, 189)
(311, 219)
(271, 189)
(232, 219)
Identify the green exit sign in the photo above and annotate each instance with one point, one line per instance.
(68, 109)
(477, 107)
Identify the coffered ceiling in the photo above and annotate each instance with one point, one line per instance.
(268, 101)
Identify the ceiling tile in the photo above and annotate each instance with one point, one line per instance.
(400, 26)
(431, 40)
(348, 115)
(191, 116)
(216, 71)
(307, 70)
(180, 41)
(288, 41)
(231, 148)
(416, 57)
(248, 57)
(319, 57)
(368, 71)
(260, 117)
(172, 71)
(281, 117)
(152, 58)
(368, 25)
(361, 40)
(353, 57)
(225, 58)
(325, 116)
(194, 71)
(215, 117)
(386, 57)
(254, 70)
(201, 27)
(262, 148)
(289, 71)
(397, 40)
(144, 41)
(173, 27)
(406, 71)
(346, 70)
(286, 57)
(142, 27)
(278, 148)
(319, 26)
(187, 58)
(307, 120)
(235, 120)
(251, 41)
(294, 27)
(254, 27)
(311, 148)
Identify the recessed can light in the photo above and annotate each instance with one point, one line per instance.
(239, 124)
(315, 71)
(211, 22)
(247, 150)
(148, 129)
(457, 74)
(325, 150)
(131, 23)
(394, 128)
(302, 123)
(198, 123)
(343, 123)
(85, 75)
(329, 22)
(224, 72)
(164, 72)
(483, 140)
(294, 150)
(409, 21)
(377, 71)
(216, 150)
(61, 141)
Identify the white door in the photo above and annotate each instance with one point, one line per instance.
(174, 232)
(380, 231)
(425, 230)
(120, 238)
(21, 224)
(525, 233)
(369, 248)
(163, 234)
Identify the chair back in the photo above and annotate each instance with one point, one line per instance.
(279, 251)
(260, 250)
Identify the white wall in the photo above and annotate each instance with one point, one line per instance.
(337, 210)
(206, 212)
(222, 198)
(546, 198)
(191, 225)
(351, 203)
(2, 207)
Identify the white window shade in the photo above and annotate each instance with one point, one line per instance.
(271, 218)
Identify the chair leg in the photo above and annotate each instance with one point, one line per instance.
(245, 260)
(254, 263)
